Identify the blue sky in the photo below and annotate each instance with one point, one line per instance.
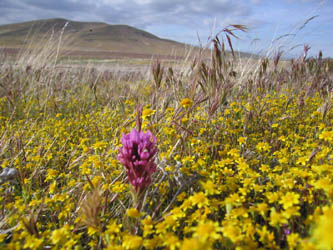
(185, 21)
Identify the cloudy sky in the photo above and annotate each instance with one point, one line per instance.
(272, 23)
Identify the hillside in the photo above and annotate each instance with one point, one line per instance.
(92, 39)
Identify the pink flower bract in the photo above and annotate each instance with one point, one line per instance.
(137, 155)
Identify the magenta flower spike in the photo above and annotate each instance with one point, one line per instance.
(137, 155)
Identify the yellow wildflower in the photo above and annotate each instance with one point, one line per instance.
(322, 234)
(277, 219)
(241, 140)
(293, 240)
(207, 230)
(263, 146)
(132, 242)
(289, 199)
(32, 242)
(147, 113)
(326, 136)
(232, 232)
(57, 236)
(209, 187)
(171, 241)
(133, 213)
(191, 244)
(199, 199)
(186, 102)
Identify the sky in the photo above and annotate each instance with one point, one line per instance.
(273, 25)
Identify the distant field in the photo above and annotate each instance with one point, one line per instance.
(102, 55)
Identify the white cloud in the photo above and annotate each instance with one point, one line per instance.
(256, 1)
(140, 13)
(143, 2)
(180, 19)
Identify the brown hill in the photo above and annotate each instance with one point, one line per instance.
(90, 39)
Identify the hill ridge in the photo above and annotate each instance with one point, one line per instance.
(97, 36)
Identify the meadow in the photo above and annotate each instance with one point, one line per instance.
(231, 155)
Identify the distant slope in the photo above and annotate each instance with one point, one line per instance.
(89, 37)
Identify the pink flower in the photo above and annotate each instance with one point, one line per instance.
(137, 155)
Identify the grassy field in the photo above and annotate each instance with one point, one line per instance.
(232, 154)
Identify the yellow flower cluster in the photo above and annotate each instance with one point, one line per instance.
(257, 174)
